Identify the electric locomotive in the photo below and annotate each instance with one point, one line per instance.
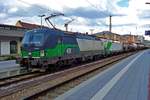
(45, 46)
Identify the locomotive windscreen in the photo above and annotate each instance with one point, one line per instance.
(33, 39)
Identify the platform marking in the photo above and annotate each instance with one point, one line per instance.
(103, 92)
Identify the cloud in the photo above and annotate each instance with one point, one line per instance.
(2, 15)
(86, 13)
(121, 25)
(13, 20)
(28, 12)
(13, 10)
(144, 14)
(89, 14)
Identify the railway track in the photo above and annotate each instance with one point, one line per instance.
(18, 78)
(32, 88)
(52, 93)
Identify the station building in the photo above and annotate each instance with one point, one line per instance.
(126, 39)
(11, 37)
(26, 25)
(109, 35)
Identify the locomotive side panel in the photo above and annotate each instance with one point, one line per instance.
(116, 47)
(90, 47)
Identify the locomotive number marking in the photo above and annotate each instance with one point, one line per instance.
(68, 50)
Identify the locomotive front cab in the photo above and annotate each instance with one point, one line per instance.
(32, 44)
(32, 48)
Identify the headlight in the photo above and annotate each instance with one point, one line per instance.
(29, 53)
(42, 53)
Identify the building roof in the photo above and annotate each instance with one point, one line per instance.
(105, 32)
(27, 25)
(11, 27)
(11, 31)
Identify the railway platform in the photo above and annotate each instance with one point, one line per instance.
(9, 68)
(8, 64)
(127, 80)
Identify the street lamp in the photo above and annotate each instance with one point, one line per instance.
(41, 18)
(91, 31)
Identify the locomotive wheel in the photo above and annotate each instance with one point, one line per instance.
(58, 65)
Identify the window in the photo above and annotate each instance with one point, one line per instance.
(33, 39)
(36, 39)
(69, 39)
(13, 47)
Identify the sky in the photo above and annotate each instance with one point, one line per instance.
(128, 16)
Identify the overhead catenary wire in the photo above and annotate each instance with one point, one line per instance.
(95, 7)
(52, 11)
(48, 22)
(41, 8)
(99, 10)
(38, 6)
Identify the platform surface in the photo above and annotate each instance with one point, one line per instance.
(8, 64)
(126, 80)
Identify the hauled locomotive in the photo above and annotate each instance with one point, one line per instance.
(45, 46)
